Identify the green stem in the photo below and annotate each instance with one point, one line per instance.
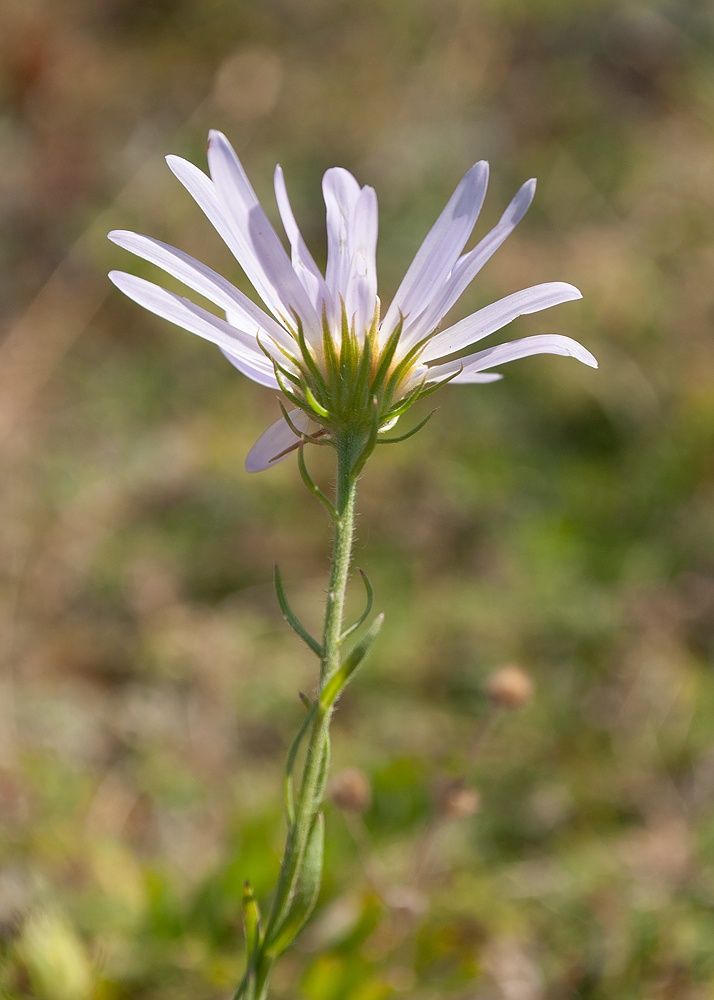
(348, 451)
(309, 799)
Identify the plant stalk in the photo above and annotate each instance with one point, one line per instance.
(309, 799)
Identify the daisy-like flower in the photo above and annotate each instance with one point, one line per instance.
(324, 343)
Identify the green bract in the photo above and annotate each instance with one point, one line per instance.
(354, 387)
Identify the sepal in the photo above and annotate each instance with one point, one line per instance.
(411, 433)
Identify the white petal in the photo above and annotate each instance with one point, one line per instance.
(466, 269)
(262, 255)
(245, 315)
(251, 369)
(361, 295)
(491, 318)
(473, 364)
(340, 191)
(436, 374)
(203, 191)
(193, 318)
(440, 250)
(277, 442)
(303, 262)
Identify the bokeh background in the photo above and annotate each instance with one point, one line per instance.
(560, 521)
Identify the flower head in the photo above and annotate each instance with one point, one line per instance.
(324, 342)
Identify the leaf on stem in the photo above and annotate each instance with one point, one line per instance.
(292, 619)
(253, 944)
(313, 487)
(322, 776)
(333, 688)
(290, 764)
(306, 891)
(363, 616)
(251, 921)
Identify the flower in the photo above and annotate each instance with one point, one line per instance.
(326, 346)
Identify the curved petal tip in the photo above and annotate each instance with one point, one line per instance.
(277, 442)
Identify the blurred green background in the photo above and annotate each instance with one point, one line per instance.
(560, 520)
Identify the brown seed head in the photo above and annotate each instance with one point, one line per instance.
(350, 790)
(510, 687)
(454, 800)
(406, 903)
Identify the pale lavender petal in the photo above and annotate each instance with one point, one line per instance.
(277, 442)
(439, 252)
(193, 318)
(491, 318)
(361, 295)
(203, 191)
(340, 191)
(245, 314)
(263, 256)
(302, 260)
(251, 369)
(436, 375)
(466, 269)
(474, 364)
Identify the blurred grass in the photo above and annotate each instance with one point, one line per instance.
(561, 519)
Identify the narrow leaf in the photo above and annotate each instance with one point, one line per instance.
(322, 777)
(333, 688)
(363, 616)
(314, 488)
(306, 891)
(290, 764)
(292, 619)
(251, 922)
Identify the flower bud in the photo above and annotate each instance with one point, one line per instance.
(350, 790)
(510, 687)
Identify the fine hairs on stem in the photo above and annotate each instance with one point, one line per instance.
(301, 867)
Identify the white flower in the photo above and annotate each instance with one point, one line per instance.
(325, 345)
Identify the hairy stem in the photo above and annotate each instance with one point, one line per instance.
(347, 452)
(312, 785)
